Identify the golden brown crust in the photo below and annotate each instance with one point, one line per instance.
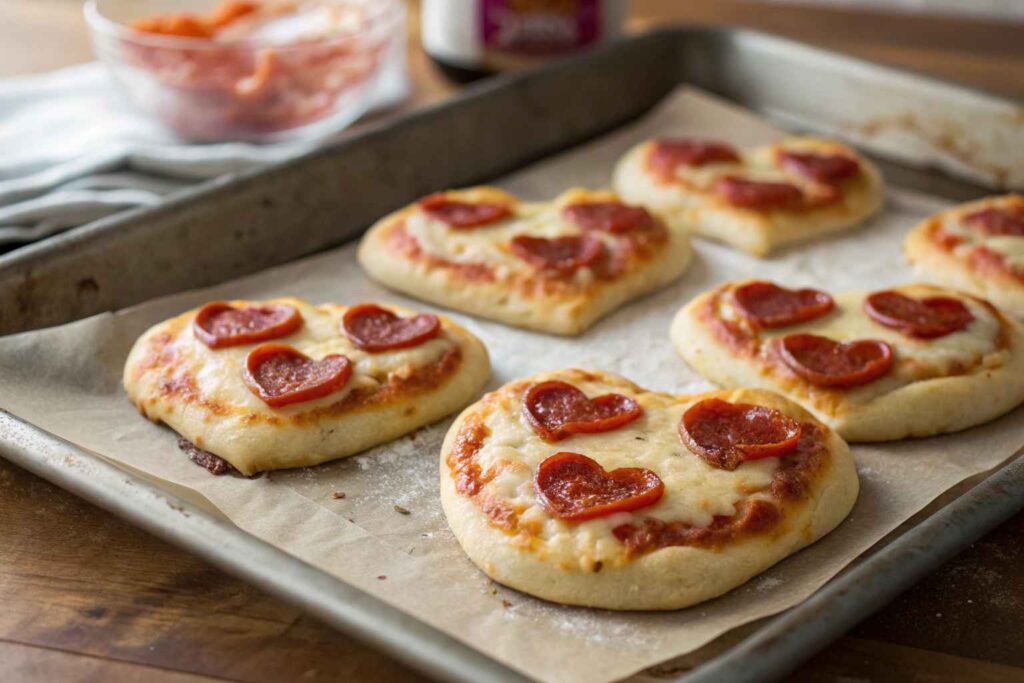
(490, 271)
(790, 488)
(630, 253)
(201, 393)
(744, 341)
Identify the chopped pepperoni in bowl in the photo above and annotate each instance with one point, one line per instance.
(248, 70)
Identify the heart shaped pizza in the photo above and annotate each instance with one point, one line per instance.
(265, 385)
(582, 488)
(910, 361)
(977, 247)
(755, 199)
(552, 266)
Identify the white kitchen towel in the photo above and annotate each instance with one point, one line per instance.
(73, 149)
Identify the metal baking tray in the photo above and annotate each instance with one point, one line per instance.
(245, 223)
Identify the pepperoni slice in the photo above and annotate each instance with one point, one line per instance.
(827, 363)
(670, 153)
(576, 488)
(557, 410)
(768, 306)
(727, 434)
(463, 214)
(756, 194)
(1004, 222)
(280, 375)
(927, 318)
(219, 324)
(561, 254)
(613, 217)
(373, 328)
(824, 168)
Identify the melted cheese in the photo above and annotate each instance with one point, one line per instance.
(759, 164)
(1011, 248)
(218, 372)
(695, 492)
(490, 244)
(914, 358)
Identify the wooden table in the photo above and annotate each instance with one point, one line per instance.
(87, 597)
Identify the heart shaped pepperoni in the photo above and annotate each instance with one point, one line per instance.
(557, 410)
(824, 168)
(1002, 221)
(827, 363)
(280, 375)
(612, 217)
(219, 324)
(373, 328)
(562, 254)
(768, 306)
(927, 318)
(756, 194)
(668, 154)
(576, 488)
(727, 434)
(463, 214)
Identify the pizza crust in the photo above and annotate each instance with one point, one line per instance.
(943, 267)
(892, 407)
(757, 232)
(517, 294)
(199, 392)
(582, 563)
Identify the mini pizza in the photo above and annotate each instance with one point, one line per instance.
(554, 267)
(754, 199)
(911, 361)
(266, 385)
(977, 247)
(580, 487)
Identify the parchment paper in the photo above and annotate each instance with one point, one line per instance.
(67, 380)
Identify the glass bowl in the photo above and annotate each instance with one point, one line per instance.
(309, 75)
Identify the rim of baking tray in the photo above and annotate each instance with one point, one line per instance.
(380, 14)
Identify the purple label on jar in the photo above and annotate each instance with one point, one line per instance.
(539, 27)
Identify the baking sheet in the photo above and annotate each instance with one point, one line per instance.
(67, 381)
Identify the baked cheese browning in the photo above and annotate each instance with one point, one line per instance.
(976, 247)
(495, 460)
(979, 345)
(798, 175)
(313, 396)
(527, 250)
(755, 199)
(554, 267)
(175, 365)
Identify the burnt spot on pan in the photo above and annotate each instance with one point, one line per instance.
(214, 464)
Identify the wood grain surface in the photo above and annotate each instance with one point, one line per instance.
(87, 597)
